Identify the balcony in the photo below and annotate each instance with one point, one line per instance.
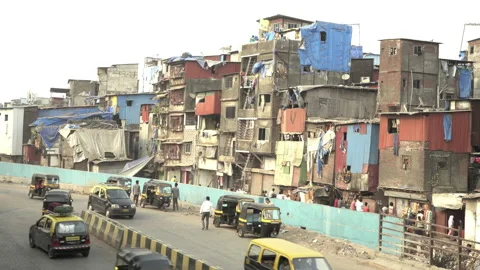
(207, 164)
(210, 105)
(261, 147)
(208, 137)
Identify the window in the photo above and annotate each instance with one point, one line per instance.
(172, 152)
(176, 123)
(285, 262)
(228, 82)
(404, 83)
(393, 125)
(230, 112)
(71, 227)
(187, 148)
(292, 25)
(176, 97)
(406, 163)
(6, 117)
(254, 252)
(307, 68)
(48, 224)
(344, 136)
(442, 165)
(102, 193)
(268, 258)
(393, 51)
(417, 50)
(263, 134)
(41, 222)
(276, 27)
(416, 84)
(264, 100)
(323, 36)
(472, 50)
(190, 119)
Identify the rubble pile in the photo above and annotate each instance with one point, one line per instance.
(324, 244)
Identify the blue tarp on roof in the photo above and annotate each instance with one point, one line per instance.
(199, 60)
(50, 125)
(327, 46)
(66, 111)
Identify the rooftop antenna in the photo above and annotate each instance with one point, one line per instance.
(463, 33)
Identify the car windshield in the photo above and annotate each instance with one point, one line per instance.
(69, 227)
(117, 194)
(311, 264)
(271, 214)
(52, 181)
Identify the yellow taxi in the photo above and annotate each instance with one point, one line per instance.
(60, 232)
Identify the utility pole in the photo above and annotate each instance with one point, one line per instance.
(463, 34)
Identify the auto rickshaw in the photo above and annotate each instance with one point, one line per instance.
(124, 182)
(259, 219)
(54, 198)
(141, 259)
(156, 193)
(228, 209)
(41, 183)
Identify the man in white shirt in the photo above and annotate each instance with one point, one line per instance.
(359, 205)
(205, 211)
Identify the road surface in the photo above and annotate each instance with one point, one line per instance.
(218, 246)
(17, 213)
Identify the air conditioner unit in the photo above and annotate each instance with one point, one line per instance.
(365, 79)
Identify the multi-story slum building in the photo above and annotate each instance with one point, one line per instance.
(269, 68)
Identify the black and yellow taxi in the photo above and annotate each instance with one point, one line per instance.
(123, 182)
(60, 232)
(274, 253)
(259, 219)
(111, 200)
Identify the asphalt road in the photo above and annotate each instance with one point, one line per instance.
(218, 246)
(17, 213)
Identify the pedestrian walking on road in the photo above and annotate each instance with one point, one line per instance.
(176, 196)
(136, 192)
(206, 211)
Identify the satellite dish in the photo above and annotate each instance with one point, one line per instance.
(345, 77)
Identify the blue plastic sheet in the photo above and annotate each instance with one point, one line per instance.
(447, 127)
(464, 82)
(269, 36)
(257, 67)
(330, 54)
(356, 52)
(61, 120)
(49, 135)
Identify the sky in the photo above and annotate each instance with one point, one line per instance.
(45, 43)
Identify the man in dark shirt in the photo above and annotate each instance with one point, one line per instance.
(175, 196)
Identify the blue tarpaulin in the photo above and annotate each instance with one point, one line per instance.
(356, 52)
(447, 127)
(49, 135)
(327, 46)
(464, 82)
(269, 36)
(257, 67)
(50, 125)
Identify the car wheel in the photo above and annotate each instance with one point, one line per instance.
(31, 242)
(274, 234)
(90, 207)
(216, 222)
(108, 214)
(51, 253)
(85, 254)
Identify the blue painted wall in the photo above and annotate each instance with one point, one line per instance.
(131, 114)
(357, 227)
(362, 148)
(66, 111)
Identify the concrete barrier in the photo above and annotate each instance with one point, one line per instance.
(105, 229)
(180, 260)
(119, 236)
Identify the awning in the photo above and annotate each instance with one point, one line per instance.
(134, 167)
(448, 200)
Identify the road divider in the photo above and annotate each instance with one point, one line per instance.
(119, 236)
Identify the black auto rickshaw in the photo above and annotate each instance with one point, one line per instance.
(141, 259)
(124, 182)
(259, 219)
(41, 183)
(54, 198)
(156, 193)
(228, 209)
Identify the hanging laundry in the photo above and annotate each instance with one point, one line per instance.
(465, 83)
(447, 127)
(444, 65)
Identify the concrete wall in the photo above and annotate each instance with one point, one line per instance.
(474, 55)
(11, 131)
(118, 79)
(357, 227)
(80, 89)
(131, 114)
(361, 68)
